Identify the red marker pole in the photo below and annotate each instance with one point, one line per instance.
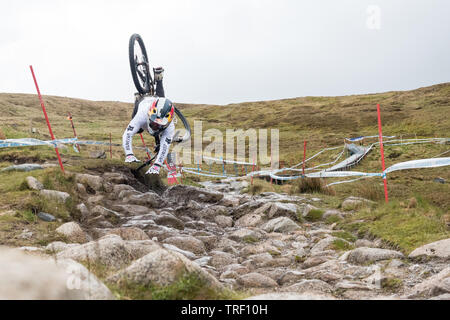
(304, 157)
(46, 118)
(143, 142)
(110, 144)
(382, 154)
(73, 127)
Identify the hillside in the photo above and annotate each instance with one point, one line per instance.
(229, 239)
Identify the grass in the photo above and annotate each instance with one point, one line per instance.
(314, 215)
(188, 287)
(402, 227)
(341, 245)
(345, 235)
(310, 185)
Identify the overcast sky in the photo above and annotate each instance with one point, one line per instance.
(225, 51)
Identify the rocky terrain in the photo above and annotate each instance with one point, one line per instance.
(264, 246)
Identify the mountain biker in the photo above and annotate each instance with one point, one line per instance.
(153, 114)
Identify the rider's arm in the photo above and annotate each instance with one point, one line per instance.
(166, 140)
(127, 139)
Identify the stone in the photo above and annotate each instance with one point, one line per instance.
(365, 243)
(314, 261)
(258, 260)
(310, 286)
(183, 193)
(307, 209)
(439, 249)
(128, 233)
(224, 221)
(83, 281)
(259, 248)
(84, 211)
(290, 276)
(58, 246)
(323, 244)
(168, 220)
(353, 203)
(110, 250)
(55, 195)
(185, 253)
(73, 232)
(97, 154)
(439, 180)
(228, 201)
(27, 277)
(333, 213)
(291, 296)
(115, 178)
(162, 267)
(34, 183)
(148, 199)
(118, 188)
(46, 217)
(23, 167)
(256, 280)
(281, 224)
(95, 200)
(354, 285)
(279, 209)
(368, 255)
(433, 286)
(220, 260)
(246, 235)
(188, 243)
(8, 213)
(94, 182)
(250, 220)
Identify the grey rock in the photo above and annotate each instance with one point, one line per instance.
(281, 224)
(223, 221)
(94, 182)
(182, 193)
(439, 180)
(23, 167)
(185, 253)
(34, 183)
(250, 220)
(98, 154)
(167, 219)
(365, 243)
(435, 285)
(246, 234)
(439, 249)
(46, 217)
(291, 296)
(310, 286)
(73, 232)
(55, 195)
(353, 203)
(290, 277)
(256, 280)
(187, 243)
(42, 279)
(148, 199)
(220, 260)
(162, 267)
(367, 255)
(279, 209)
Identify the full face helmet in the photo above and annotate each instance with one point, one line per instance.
(160, 114)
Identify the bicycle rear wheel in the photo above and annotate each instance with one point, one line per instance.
(139, 64)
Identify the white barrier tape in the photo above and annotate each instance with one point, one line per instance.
(30, 142)
(188, 170)
(228, 161)
(419, 164)
(347, 181)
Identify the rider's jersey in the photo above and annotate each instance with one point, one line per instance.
(139, 121)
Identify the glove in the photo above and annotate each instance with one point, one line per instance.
(131, 158)
(154, 169)
(159, 73)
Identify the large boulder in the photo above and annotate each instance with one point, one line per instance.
(435, 285)
(94, 182)
(188, 243)
(162, 267)
(33, 183)
(280, 209)
(148, 199)
(439, 249)
(368, 255)
(250, 220)
(126, 233)
(281, 224)
(183, 194)
(110, 251)
(55, 195)
(26, 277)
(73, 232)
